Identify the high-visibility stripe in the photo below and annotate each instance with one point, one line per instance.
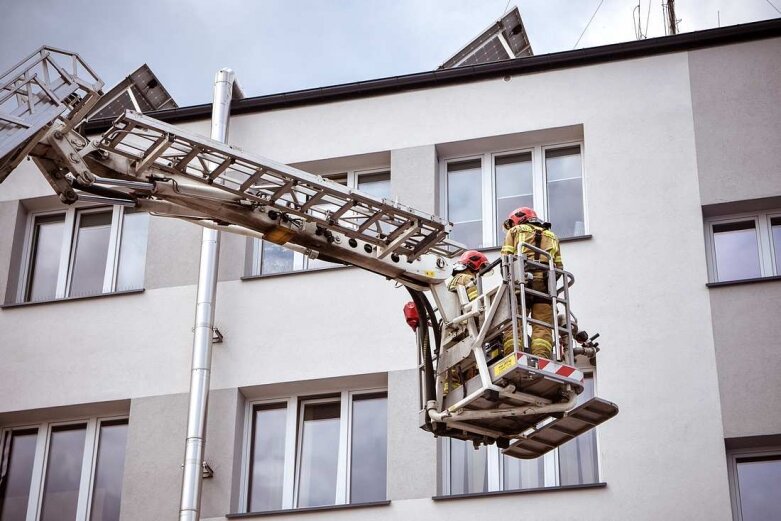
(566, 371)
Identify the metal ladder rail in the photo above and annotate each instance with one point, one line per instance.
(552, 294)
(391, 228)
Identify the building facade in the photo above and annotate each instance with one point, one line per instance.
(658, 162)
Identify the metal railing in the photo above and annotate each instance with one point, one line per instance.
(48, 84)
(518, 271)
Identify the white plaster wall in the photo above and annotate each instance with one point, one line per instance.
(737, 120)
(663, 456)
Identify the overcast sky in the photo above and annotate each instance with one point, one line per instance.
(284, 45)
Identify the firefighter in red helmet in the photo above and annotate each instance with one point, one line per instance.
(464, 274)
(523, 226)
(465, 271)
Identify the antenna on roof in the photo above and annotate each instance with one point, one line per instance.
(668, 11)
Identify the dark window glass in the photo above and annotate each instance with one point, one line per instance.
(468, 468)
(319, 454)
(275, 259)
(737, 251)
(109, 470)
(464, 202)
(45, 257)
(63, 473)
(521, 474)
(775, 230)
(16, 489)
(514, 187)
(578, 457)
(369, 449)
(759, 483)
(90, 253)
(267, 457)
(564, 176)
(132, 251)
(377, 185)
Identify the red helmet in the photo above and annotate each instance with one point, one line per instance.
(519, 216)
(473, 259)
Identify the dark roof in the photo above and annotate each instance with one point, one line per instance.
(438, 78)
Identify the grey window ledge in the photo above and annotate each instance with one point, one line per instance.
(70, 299)
(561, 239)
(296, 272)
(575, 238)
(252, 515)
(742, 281)
(522, 491)
(338, 267)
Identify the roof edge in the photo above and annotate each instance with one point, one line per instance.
(441, 77)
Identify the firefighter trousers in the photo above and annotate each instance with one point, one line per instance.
(542, 337)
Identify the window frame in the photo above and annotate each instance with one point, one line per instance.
(40, 460)
(763, 231)
(301, 262)
(732, 473)
(71, 220)
(495, 463)
(294, 407)
(488, 184)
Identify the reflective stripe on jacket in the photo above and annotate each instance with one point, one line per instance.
(525, 233)
(467, 280)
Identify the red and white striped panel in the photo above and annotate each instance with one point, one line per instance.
(543, 364)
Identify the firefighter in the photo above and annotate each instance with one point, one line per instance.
(465, 271)
(464, 274)
(523, 225)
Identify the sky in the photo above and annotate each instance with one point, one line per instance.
(285, 45)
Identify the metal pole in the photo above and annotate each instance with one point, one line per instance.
(672, 23)
(224, 87)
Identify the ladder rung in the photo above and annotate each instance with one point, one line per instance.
(251, 180)
(371, 220)
(312, 201)
(342, 210)
(161, 145)
(184, 161)
(214, 174)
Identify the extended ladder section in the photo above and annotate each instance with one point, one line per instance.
(390, 228)
(47, 85)
(487, 393)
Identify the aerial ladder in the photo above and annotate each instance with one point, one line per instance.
(469, 388)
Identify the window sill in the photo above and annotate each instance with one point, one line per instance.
(296, 272)
(742, 281)
(522, 491)
(70, 299)
(329, 268)
(252, 515)
(561, 239)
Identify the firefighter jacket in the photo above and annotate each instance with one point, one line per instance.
(466, 279)
(535, 235)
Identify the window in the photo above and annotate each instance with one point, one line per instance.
(64, 470)
(755, 482)
(316, 451)
(82, 252)
(480, 191)
(746, 246)
(268, 258)
(466, 470)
